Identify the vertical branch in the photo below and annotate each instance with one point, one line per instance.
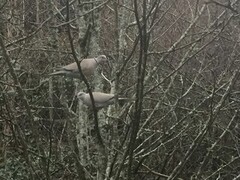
(50, 95)
(140, 81)
(51, 127)
(117, 28)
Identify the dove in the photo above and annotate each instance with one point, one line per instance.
(88, 67)
(101, 99)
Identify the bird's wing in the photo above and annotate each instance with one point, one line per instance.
(103, 98)
(70, 67)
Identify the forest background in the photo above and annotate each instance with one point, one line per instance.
(177, 61)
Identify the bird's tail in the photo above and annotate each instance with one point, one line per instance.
(57, 73)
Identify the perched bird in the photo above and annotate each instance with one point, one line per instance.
(101, 99)
(88, 67)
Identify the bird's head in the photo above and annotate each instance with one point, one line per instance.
(102, 59)
(80, 95)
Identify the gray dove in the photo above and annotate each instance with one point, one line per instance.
(88, 67)
(101, 99)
